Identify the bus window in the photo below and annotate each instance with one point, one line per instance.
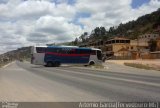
(82, 51)
(40, 50)
(72, 51)
(55, 50)
(66, 51)
(99, 55)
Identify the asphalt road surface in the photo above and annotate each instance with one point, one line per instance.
(25, 82)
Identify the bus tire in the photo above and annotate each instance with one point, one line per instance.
(91, 63)
(49, 64)
(57, 64)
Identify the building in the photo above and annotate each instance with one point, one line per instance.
(139, 45)
(130, 49)
(139, 48)
(148, 37)
(158, 44)
(155, 55)
(123, 48)
(115, 46)
(123, 53)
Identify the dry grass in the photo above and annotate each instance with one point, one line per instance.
(97, 66)
(141, 66)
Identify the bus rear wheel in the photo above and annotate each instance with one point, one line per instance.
(49, 64)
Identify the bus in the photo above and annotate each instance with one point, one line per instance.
(54, 56)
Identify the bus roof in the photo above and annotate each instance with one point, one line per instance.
(85, 48)
(67, 47)
(40, 46)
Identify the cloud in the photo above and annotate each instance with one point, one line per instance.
(104, 13)
(56, 25)
(29, 22)
(49, 29)
(111, 13)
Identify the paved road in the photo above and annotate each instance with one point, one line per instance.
(26, 82)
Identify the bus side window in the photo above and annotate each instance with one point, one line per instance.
(58, 50)
(54, 50)
(62, 51)
(82, 51)
(77, 51)
(70, 52)
(73, 51)
(40, 50)
(49, 50)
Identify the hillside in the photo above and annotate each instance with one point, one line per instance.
(19, 54)
(144, 24)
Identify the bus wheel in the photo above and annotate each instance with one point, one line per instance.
(91, 63)
(49, 64)
(57, 64)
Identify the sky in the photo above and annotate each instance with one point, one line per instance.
(137, 3)
(37, 22)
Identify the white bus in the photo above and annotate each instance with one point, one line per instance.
(55, 55)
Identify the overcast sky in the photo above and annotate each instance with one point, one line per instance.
(31, 22)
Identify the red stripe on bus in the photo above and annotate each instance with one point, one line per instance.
(59, 54)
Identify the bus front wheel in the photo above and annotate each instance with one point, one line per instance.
(91, 63)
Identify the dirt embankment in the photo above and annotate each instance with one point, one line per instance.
(146, 64)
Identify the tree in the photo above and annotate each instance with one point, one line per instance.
(103, 31)
(111, 30)
(97, 32)
(76, 41)
(83, 37)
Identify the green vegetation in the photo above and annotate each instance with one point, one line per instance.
(98, 66)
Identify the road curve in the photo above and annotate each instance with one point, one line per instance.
(25, 82)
